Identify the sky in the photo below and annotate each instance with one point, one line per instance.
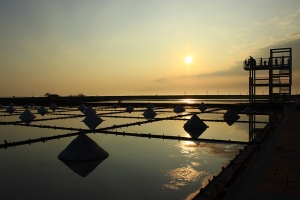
(135, 47)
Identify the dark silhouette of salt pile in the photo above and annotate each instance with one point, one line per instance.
(230, 117)
(195, 126)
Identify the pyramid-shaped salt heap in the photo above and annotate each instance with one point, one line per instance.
(27, 116)
(89, 110)
(81, 107)
(115, 106)
(195, 126)
(53, 106)
(178, 109)
(11, 104)
(202, 107)
(25, 106)
(83, 148)
(92, 120)
(149, 113)
(129, 109)
(248, 110)
(150, 105)
(10, 109)
(230, 117)
(1, 106)
(42, 110)
(31, 105)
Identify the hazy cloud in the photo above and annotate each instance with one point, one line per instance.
(285, 23)
(160, 80)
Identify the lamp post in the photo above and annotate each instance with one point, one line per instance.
(206, 92)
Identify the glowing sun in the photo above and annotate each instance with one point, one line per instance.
(188, 60)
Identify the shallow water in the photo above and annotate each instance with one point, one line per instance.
(137, 168)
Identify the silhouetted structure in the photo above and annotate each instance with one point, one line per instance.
(279, 68)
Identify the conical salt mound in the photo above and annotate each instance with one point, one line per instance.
(11, 104)
(92, 120)
(202, 107)
(42, 110)
(129, 109)
(150, 105)
(149, 113)
(230, 117)
(83, 148)
(81, 107)
(179, 109)
(53, 106)
(248, 110)
(115, 106)
(25, 106)
(194, 126)
(27, 116)
(89, 110)
(31, 105)
(1, 106)
(10, 109)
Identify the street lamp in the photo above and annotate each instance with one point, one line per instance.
(206, 92)
(218, 92)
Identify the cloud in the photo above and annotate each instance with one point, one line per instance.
(160, 80)
(285, 23)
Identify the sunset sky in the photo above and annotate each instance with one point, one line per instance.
(101, 47)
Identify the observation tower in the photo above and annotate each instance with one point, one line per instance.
(274, 72)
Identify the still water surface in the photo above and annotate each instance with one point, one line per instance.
(137, 168)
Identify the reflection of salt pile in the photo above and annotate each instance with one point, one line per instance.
(129, 109)
(179, 109)
(115, 106)
(92, 120)
(10, 109)
(42, 110)
(81, 107)
(83, 148)
(248, 110)
(149, 113)
(27, 116)
(53, 106)
(230, 117)
(83, 155)
(195, 126)
(202, 107)
(150, 105)
(89, 110)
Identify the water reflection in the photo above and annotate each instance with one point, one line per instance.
(83, 168)
(83, 155)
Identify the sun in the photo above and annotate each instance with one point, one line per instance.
(188, 60)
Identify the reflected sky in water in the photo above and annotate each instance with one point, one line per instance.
(137, 168)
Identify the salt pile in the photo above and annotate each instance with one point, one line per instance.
(202, 107)
(53, 106)
(129, 109)
(89, 110)
(42, 110)
(179, 109)
(230, 117)
(83, 148)
(81, 107)
(92, 120)
(27, 116)
(195, 126)
(149, 113)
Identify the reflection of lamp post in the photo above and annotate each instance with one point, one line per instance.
(263, 92)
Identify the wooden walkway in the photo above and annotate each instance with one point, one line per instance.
(282, 175)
